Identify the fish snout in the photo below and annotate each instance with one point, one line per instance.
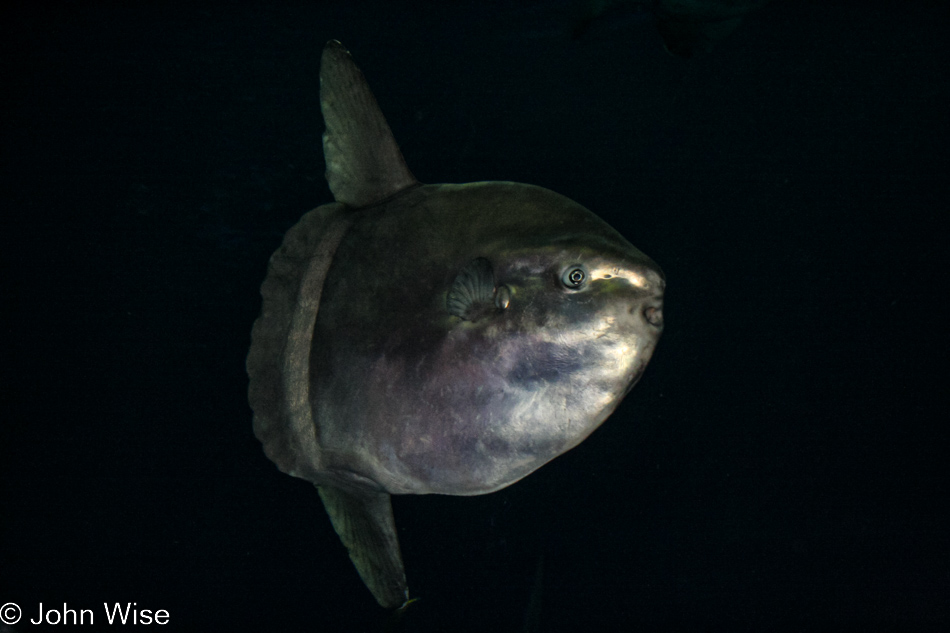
(651, 306)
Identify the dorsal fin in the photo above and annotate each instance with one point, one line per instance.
(364, 164)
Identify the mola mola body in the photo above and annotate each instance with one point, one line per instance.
(442, 339)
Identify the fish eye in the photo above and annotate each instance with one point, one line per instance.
(574, 277)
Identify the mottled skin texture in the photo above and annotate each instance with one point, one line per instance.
(420, 401)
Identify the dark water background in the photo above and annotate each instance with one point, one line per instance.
(782, 464)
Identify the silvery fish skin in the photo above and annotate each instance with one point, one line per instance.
(442, 339)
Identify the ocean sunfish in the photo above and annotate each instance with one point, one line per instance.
(444, 339)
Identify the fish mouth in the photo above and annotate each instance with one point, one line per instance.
(652, 305)
(648, 301)
(653, 314)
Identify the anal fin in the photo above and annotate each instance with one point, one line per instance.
(364, 522)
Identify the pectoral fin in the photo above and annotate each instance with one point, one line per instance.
(473, 293)
(364, 522)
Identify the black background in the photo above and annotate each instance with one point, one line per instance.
(781, 466)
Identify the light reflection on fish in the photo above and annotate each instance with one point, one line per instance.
(442, 339)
